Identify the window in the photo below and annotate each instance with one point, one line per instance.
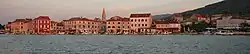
(108, 22)
(135, 20)
(123, 27)
(118, 26)
(108, 26)
(113, 23)
(146, 24)
(80, 26)
(113, 26)
(139, 24)
(92, 26)
(138, 20)
(128, 26)
(88, 26)
(131, 20)
(146, 20)
(142, 24)
(135, 25)
(74, 26)
(118, 22)
(41, 26)
(132, 25)
(47, 26)
(21, 27)
(48, 21)
(142, 20)
(88, 23)
(92, 22)
(83, 26)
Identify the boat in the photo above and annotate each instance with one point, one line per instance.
(224, 33)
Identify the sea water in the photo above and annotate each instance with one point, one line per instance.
(123, 44)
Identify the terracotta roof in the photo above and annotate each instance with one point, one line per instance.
(42, 17)
(166, 21)
(118, 18)
(53, 22)
(60, 24)
(81, 19)
(140, 15)
(22, 20)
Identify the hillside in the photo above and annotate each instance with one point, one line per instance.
(160, 17)
(241, 7)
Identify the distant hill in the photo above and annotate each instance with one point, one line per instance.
(160, 17)
(241, 7)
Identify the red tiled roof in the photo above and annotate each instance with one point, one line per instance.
(42, 17)
(79, 19)
(118, 18)
(22, 20)
(140, 15)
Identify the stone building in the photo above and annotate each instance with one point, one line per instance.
(82, 25)
(118, 24)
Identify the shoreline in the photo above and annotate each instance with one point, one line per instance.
(128, 34)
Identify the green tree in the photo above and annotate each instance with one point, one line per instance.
(244, 27)
(1, 26)
(199, 26)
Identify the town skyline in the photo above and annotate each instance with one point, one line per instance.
(67, 9)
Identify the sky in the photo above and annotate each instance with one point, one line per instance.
(65, 9)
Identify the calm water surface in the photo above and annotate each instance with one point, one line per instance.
(123, 44)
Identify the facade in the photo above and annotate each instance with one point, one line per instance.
(139, 22)
(42, 25)
(20, 26)
(167, 26)
(229, 22)
(82, 25)
(118, 24)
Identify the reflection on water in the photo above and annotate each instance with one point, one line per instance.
(123, 44)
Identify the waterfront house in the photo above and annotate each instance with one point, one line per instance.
(139, 22)
(117, 25)
(42, 25)
(167, 26)
(82, 25)
(229, 22)
(20, 26)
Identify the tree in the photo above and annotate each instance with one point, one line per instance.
(1, 26)
(244, 27)
(199, 26)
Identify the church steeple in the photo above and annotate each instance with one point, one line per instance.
(103, 14)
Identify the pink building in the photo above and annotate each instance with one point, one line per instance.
(118, 24)
(139, 22)
(42, 25)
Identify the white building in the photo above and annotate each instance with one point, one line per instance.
(138, 22)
